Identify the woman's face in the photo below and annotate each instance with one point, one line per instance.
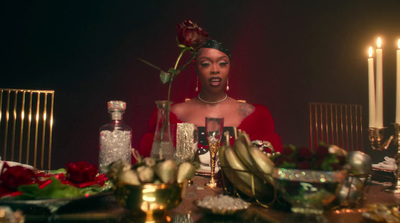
(212, 67)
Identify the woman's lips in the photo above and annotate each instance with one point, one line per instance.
(215, 81)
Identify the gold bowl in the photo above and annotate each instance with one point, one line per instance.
(308, 191)
(149, 197)
(252, 184)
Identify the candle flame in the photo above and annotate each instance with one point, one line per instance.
(379, 42)
(398, 43)
(370, 51)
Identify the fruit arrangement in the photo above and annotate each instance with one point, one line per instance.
(150, 185)
(250, 170)
(77, 179)
(247, 167)
(326, 158)
(150, 170)
(325, 161)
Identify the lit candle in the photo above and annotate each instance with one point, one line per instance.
(379, 85)
(398, 84)
(371, 89)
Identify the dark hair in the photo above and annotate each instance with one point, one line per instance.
(210, 43)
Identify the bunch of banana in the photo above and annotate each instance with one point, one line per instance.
(247, 167)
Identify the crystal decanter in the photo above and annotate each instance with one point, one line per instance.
(115, 137)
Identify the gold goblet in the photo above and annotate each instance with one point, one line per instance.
(214, 128)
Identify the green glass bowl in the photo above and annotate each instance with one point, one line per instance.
(308, 191)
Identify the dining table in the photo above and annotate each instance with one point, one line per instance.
(105, 208)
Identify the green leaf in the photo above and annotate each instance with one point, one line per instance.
(165, 77)
(181, 46)
(173, 71)
(56, 189)
(288, 165)
(58, 171)
(328, 161)
(29, 191)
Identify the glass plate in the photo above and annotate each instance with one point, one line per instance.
(230, 206)
(46, 206)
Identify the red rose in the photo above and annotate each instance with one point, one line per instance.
(322, 151)
(342, 160)
(80, 172)
(15, 176)
(287, 151)
(191, 35)
(304, 153)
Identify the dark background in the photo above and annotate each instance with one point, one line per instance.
(285, 55)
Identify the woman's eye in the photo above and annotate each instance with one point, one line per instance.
(205, 64)
(223, 64)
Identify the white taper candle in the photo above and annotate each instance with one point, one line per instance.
(371, 90)
(379, 85)
(398, 83)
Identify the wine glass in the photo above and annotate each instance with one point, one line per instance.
(214, 128)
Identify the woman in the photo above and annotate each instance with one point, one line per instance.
(212, 66)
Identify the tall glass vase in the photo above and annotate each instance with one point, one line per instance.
(162, 145)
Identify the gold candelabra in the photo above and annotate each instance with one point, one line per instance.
(376, 136)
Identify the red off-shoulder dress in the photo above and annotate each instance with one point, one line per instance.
(259, 125)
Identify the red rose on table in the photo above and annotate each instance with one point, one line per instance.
(15, 176)
(322, 151)
(287, 151)
(305, 153)
(191, 35)
(80, 172)
(304, 158)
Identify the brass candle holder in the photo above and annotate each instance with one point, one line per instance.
(376, 135)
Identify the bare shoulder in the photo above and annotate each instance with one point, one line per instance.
(245, 109)
(182, 108)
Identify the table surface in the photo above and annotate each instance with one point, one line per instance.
(106, 209)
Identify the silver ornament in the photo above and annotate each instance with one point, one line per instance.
(359, 162)
(351, 192)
